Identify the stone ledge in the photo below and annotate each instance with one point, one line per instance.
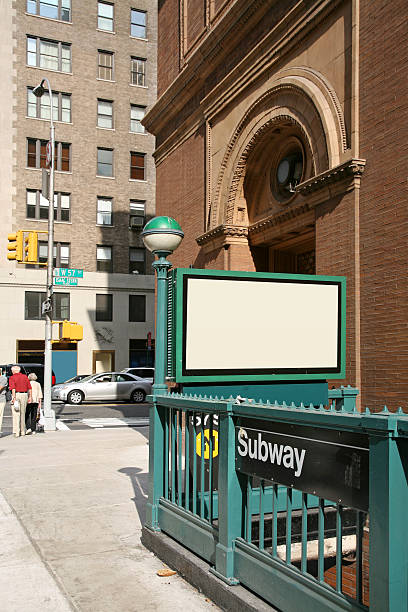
(196, 572)
(330, 183)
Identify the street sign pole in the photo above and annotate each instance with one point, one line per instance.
(49, 413)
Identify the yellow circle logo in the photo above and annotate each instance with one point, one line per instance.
(207, 444)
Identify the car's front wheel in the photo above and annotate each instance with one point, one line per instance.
(138, 396)
(75, 397)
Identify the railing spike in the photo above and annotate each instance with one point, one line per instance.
(385, 411)
(311, 407)
(302, 406)
(276, 403)
(321, 407)
(284, 404)
(400, 410)
(222, 398)
(367, 410)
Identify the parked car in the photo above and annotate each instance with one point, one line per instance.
(27, 368)
(147, 373)
(106, 386)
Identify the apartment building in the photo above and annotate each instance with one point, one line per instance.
(100, 59)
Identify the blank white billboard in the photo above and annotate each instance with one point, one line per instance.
(248, 325)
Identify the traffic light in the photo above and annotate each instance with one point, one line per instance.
(15, 246)
(31, 248)
(70, 331)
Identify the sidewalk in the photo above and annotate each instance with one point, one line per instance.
(72, 504)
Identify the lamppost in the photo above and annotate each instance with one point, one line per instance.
(162, 236)
(49, 414)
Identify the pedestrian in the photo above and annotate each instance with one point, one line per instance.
(34, 406)
(3, 389)
(20, 388)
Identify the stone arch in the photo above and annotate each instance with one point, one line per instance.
(299, 96)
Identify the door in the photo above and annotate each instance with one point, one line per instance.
(124, 386)
(103, 361)
(101, 388)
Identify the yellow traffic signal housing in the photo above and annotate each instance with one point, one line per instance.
(15, 246)
(31, 248)
(70, 331)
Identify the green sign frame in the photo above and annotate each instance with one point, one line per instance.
(177, 330)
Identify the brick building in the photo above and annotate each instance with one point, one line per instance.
(281, 145)
(100, 59)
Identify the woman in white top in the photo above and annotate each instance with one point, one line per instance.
(33, 409)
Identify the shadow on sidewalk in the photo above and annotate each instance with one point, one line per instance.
(139, 482)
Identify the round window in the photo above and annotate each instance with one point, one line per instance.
(287, 171)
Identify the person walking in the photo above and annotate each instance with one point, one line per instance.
(3, 389)
(34, 406)
(20, 388)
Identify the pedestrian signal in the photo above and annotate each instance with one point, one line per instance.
(15, 246)
(31, 248)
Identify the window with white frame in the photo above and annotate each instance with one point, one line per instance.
(137, 260)
(105, 162)
(136, 115)
(138, 71)
(104, 262)
(49, 54)
(105, 113)
(53, 9)
(105, 65)
(105, 16)
(38, 206)
(40, 108)
(137, 210)
(104, 211)
(61, 252)
(138, 23)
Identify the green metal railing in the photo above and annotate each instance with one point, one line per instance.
(272, 538)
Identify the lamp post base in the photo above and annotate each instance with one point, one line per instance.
(50, 423)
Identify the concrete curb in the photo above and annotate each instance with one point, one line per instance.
(196, 572)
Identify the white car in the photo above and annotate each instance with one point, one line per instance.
(106, 386)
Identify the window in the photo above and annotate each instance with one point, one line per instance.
(34, 299)
(36, 154)
(40, 107)
(53, 9)
(104, 261)
(137, 308)
(61, 254)
(105, 162)
(105, 16)
(137, 261)
(105, 65)
(104, 211)
(137, 210)
(137, 166)
(136, 115)
(37, 205)
(105, 114)
(104, 307)
(49, 54)
(137, 23)
(138, 71)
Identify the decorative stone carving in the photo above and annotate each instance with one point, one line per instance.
(104, 334)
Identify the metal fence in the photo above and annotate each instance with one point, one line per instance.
(292, 547)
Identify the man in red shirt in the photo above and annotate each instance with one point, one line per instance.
(20, 388)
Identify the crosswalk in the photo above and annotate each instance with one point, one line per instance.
(98, 423)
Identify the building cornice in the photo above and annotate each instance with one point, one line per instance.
(223, 235)
(330, 183)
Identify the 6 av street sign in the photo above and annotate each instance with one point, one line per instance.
(69, 272)
(61, 280)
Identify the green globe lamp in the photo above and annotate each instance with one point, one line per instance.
(162, 235)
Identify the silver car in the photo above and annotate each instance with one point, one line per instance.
(106, 386)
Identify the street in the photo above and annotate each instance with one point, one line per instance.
(94, 415)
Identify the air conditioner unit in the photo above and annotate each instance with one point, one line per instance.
(136, 222)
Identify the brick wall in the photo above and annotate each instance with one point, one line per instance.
(384, 199)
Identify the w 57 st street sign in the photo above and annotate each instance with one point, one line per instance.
(67, 276)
